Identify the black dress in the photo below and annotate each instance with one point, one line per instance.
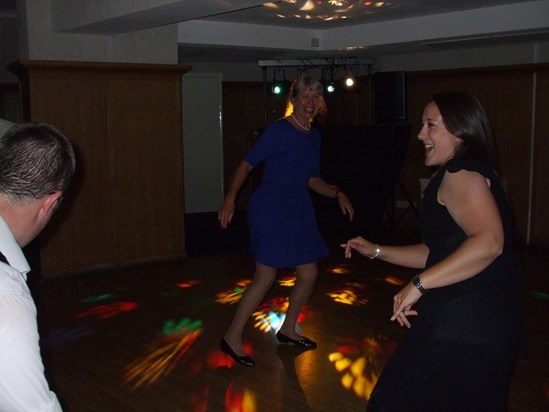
(459, 353)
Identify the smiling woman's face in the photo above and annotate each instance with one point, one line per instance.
(440, 144)
(307, 103)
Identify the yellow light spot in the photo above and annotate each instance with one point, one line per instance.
(342, 364)
(357, 368)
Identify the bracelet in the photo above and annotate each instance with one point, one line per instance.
(378, 251)
(416, 280)
(338, 191)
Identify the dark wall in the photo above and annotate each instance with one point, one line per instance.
(365, 162)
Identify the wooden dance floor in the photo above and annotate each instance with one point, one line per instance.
(146, 339)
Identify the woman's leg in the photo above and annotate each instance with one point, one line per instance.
(253, 295)
(302, 290)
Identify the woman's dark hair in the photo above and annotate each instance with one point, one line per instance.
(465, 118)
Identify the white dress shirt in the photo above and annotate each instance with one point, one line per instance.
(23, 386)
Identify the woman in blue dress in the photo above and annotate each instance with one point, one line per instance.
(459, 352)
(281, 219)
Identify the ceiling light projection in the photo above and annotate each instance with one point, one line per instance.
(326, 10)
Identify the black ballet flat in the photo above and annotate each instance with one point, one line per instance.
(227, 350)
(305, 342)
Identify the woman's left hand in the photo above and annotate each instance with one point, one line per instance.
(402, 304)
(346, 205)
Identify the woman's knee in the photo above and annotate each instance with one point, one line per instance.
(307, 272)
(264, 275)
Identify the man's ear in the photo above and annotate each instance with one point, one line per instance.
(51, 202)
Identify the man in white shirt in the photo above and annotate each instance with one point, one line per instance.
(36, 165)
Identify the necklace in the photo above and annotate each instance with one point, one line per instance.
(300, 125)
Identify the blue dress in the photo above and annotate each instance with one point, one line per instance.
(281, 218)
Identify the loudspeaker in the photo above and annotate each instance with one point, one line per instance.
(390, 97)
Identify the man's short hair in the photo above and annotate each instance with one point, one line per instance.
(35, 160)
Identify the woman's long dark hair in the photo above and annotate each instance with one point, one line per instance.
(465, 118)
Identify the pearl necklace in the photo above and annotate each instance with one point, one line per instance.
(300, 125)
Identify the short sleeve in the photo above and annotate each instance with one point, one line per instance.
(472, 165)
(266, 145)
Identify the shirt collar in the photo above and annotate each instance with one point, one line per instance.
(11, 250)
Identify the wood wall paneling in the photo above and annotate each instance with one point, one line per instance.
(82, 229)
(149, 174)
(126, 202)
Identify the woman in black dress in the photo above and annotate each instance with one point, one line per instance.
(460, 350)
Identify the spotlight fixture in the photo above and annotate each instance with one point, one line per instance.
(349, 82)
(329, 85)
(280, 85)
(351, 73)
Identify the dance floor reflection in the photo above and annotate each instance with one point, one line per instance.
(147, 339)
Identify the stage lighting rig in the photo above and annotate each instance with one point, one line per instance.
(280, 85)
(327, 80)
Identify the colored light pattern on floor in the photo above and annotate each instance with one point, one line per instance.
(352, 294)
(97, 298)
(234, 295)
(163, 355)
(360, 362)
(62, 336)
(270, 315)
(340, 269)
(287, 281)
(539, 295)
(108, 311)
(239, 400)
(393, 280)
(188, 283)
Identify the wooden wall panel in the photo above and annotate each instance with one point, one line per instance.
(149, 175)
(126, 203)
(79, 109)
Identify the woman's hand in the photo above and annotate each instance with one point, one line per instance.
(402, 304)
(345, 205)
(225, 213)
(361, 245)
